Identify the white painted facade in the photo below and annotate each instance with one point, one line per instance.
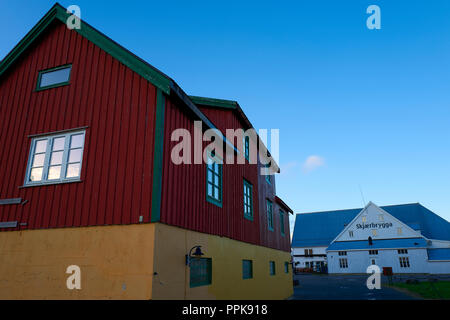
(301, 260)
(376, 223)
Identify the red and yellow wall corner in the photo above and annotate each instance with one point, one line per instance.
(141, 261)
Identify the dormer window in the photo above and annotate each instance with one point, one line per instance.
(54, 77)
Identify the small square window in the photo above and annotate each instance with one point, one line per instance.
(363, 218)
(247, 269)
(54, 77)
(55, 158)
(272, 268)
(350, 234)
(399, 231)
(404, 262)
(286, 267)
(374, 232)
(343, 263)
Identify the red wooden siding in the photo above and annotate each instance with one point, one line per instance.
(184, 191)
(116, 105)
(272, 239)
(227, 119)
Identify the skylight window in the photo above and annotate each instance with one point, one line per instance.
(54, 77)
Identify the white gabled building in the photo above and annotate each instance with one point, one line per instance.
(407, 238)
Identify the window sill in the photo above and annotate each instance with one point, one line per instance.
(248, 218)
(49, 183)
(214, 201)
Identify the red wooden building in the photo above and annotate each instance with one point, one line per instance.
(87, 180)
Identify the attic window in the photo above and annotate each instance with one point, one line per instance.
(54, 77)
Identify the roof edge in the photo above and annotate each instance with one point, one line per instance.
(283, 204)
(57, 12)
(339, 210)
(213, 102)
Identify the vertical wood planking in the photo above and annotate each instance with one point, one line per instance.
(114, 103)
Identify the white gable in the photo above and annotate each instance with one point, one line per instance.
(374, 222)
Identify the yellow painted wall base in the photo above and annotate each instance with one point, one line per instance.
(172, 279)
(116, 262)
(145, 261)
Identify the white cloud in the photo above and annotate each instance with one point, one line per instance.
(286, 169)
(312, 163)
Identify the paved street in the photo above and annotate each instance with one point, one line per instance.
(342, 287)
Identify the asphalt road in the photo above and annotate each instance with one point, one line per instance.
(342, 287)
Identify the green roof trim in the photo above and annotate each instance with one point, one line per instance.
(57, 12)
(220, 103)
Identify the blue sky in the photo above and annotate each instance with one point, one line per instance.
(371, 106)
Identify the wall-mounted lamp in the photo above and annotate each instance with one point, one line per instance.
(197, 253)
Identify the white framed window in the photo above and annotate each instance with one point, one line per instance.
(373, 252)
(55, 158)
(404, 262)
(381, 217)
(402, 251)
(342, 253)
(399, 231)
(363, 218)
(343, 263)
(350, 234)
(374, 232)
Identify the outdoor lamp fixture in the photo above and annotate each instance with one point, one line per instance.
(198, 252)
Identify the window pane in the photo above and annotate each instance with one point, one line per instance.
(36, 174)
(56, 158)
(58, 143)
(39, 160)
(55, 77)
(216, 180)
(75, 156)
(73, 170)
(210, 190)
(77, 141)
(216, 168)
(54, 173)
(41, 146)
(216, 193)
(210, 178)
